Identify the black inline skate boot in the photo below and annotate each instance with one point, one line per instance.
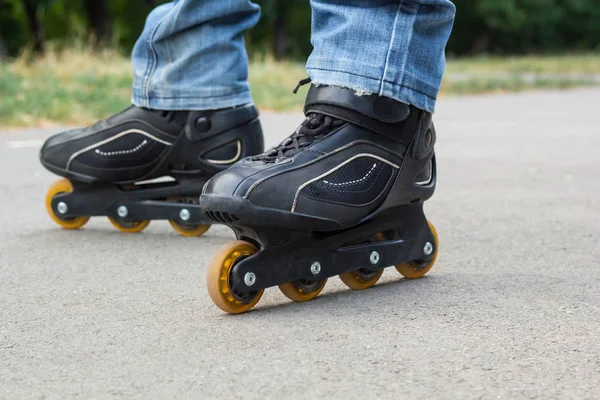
(143, 164)
(343, 195)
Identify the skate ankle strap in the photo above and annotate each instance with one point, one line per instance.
(382, 109)
(383, 115)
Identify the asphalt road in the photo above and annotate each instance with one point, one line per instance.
(511, 309)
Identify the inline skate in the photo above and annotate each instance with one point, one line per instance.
(343, 195)
(142, 165)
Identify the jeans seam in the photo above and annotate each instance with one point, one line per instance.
(152, 50)
(150, 67)
(389, 51)
(409, 40)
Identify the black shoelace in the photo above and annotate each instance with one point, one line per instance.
(316, 126)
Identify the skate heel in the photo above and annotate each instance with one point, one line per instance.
(417, 178)
(252, 139)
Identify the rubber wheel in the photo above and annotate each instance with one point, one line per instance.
(414, 269)
(361, 279)
(302, 290)
(129, 226)
(218, 277)
(189, 230)
(58, 187)
(186, 230)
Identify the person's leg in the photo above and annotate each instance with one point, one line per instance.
(191, 55)
(189, 58)
(359, 167)
(192, 116)
(393, 49)
(376, 70)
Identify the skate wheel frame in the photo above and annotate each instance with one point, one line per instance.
(218, 277)
(129, 226)
(58, 187)
(223, 262)
(415, 270)
(186, 230)
(301, 291)
(189, 231)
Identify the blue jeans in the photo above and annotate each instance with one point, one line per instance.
(191, 54)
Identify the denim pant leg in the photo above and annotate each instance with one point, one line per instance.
(389, 48)
(191, 55)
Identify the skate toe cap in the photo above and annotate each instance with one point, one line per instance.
(53, 152)
(225, 183)
(64, 137)
(57, 149)
(236, 180)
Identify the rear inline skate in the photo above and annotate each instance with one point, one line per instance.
(142, 164)
(343, 195)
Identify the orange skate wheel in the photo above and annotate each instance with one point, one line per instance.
(58, 187)
(414, 269)
(218, 277)
(129, 226)
(361, 278)
(186, 230)
(189, 230)
(302, 290)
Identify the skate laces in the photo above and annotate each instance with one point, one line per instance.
(316, 126)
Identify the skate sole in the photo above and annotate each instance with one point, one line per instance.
(239, 211)
(69, 174)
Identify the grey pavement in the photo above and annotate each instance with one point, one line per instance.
(511, 309)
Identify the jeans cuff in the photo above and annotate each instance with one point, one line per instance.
(367, 84)
(189, 103)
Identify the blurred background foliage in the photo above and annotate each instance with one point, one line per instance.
(66, 61)
(482, 26)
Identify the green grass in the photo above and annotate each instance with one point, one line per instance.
(77, 87)
(511, 83)
(561, 64)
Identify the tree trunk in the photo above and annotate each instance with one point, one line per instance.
(34, 21)
(3, 49)
(280, 44)
(480, 44)
(98, 20)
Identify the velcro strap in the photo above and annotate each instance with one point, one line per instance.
(379, 108)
